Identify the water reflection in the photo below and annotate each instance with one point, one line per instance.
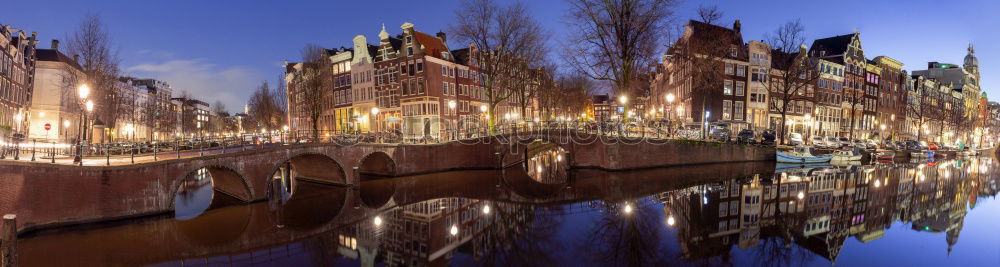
(194, 195)
(747, 214)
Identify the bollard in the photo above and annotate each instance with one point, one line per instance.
(131, 153)
(156, 146)
(33, 143)
(9, 243)
(107, 155)
(177, 147)
(53, 152)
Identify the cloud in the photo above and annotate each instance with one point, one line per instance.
(202, 80)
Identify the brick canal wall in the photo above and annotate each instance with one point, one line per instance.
(45, 195)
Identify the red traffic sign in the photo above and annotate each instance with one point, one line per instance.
(48, 126)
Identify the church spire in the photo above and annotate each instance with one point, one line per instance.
(383, 35)
(971, 62)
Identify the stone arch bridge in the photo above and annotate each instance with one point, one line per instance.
(45, 195)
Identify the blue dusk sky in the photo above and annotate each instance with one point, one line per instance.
(221, 50)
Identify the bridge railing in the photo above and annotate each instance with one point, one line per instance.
(128, 152)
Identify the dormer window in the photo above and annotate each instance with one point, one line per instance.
(409, 39)
(409, 51)
(732, 52)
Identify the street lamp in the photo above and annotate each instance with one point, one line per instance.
(623, 99)
(83, 91)
(374, 122)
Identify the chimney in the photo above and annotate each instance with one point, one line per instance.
(736, 26)
(442, 36)
(76, 58)
(55, 44)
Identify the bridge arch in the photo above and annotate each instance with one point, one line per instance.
(314, 167)
(225, 180)
(377, 163)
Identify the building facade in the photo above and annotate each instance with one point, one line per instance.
(17, 70)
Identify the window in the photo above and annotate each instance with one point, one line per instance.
(409, 51)
(729, 69)
(727, 110)
(740, 87)
(445, 91)
(444, 70)
(741, 71)
(738, 110)
(727, 88)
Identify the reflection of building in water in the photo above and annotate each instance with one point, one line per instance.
(428, 232)
(819, 208)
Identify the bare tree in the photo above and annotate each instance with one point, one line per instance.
(709, 14)
(92, 43)
(310, 82)
(922, 106)
(505, 42)
(792, 82)
(700, 57)
(266, 108)
(615, 40)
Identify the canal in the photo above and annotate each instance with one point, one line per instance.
(540, 213)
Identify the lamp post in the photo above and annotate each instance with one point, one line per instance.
(670, 106)
(83, 91)
(374, 120)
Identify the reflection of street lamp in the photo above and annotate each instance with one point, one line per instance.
(451, 105)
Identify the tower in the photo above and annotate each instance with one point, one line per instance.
(972, 63)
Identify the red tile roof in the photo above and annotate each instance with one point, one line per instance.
(432, 45)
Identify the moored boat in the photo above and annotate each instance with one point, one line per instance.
(885, 155)
(922, 154)
(847, 155)
(801, 154)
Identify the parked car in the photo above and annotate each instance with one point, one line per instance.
(831, 142)
(900, 145)
(871, 144)
(795, 139)
(818, 142)
(912, 145)
(889, 145)
(719, 132)
(844, 141)
(857, 143)
(923, 145)
(767, 137)
(745, 137)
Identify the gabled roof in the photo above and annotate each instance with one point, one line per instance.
(706, 30)
(432, 46)
(832, 46)
(56, 56)
(778, 54)
(396, 42)
(372, 50)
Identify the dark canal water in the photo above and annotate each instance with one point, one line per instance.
(753, 214)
